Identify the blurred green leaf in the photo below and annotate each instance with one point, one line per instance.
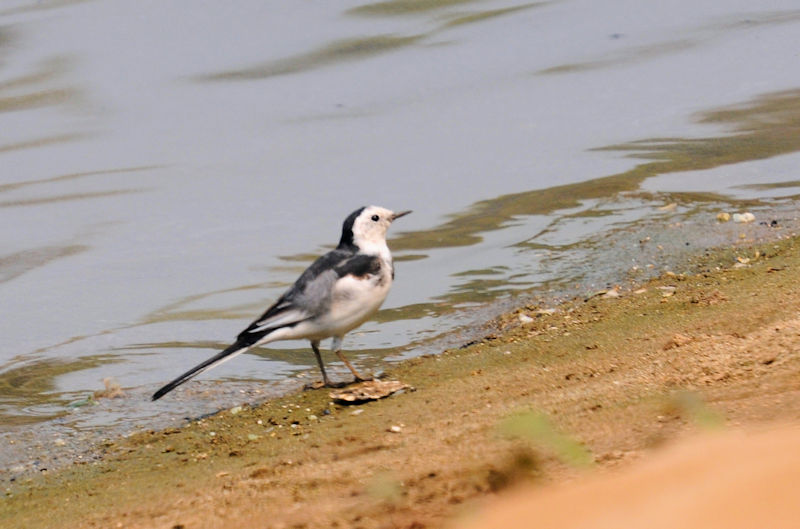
(536, 427)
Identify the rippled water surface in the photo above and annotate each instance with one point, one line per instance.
(168, 168)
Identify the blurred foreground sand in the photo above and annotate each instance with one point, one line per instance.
(730, 479)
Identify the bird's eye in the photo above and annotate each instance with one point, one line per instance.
(376, 218)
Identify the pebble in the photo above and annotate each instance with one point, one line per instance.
(356, 412)
(723, 217)
(745, 217)
(59, 442)
(613, 293)
(235, 410)
(524, 318)
(395, 429)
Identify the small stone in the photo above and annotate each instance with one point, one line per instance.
(395, 429)
(60, 442)
(235, 410)
(356, 412)
(723, 216)
(524, 318)
(744, 218)
(253, 437)
(677, 340)
(613, 293)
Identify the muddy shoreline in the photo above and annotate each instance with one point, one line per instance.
(619, 374)
(621, 259)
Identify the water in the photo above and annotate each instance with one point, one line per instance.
(168, 168)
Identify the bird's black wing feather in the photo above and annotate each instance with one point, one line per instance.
(359, 265)
(231, 351)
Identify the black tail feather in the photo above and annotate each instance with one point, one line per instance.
(236, 348)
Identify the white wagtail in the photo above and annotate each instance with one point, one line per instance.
(336, 294)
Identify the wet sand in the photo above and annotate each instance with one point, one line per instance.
(546, 398)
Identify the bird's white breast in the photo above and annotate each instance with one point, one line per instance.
(355, 299)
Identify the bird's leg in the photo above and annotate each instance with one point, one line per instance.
(337, 348)
(325, 380)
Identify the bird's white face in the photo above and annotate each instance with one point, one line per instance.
(369, 228)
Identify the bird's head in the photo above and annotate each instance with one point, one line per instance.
(366, 227)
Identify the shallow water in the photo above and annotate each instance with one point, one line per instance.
(167, 169)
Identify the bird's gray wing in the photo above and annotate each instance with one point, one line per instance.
(310, 296)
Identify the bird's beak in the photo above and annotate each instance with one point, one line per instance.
(401, 214)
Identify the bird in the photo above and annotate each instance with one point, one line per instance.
(337, 293)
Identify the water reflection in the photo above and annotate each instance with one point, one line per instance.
(18, 263)
(43, 141)
(67, 197)
(26, 6)
(31, 387)
(406, 7)
(699, 36)
(768, 186)
(455, 17)
(360, 48)
(766, 127)
(11, 186)
(339, 51)
(460, 19)
(36, 93)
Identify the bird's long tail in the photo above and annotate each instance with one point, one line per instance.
(223, 356)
